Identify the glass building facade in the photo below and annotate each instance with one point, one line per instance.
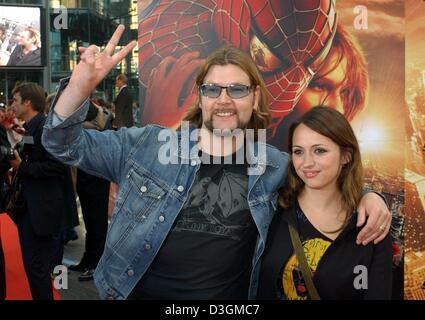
(68, 24)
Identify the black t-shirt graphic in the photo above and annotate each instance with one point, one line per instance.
(315, 245)
(208, 253)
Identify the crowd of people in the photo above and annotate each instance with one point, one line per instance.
(49, 189)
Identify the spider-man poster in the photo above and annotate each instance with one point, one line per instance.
(348, 55)
(414, 285)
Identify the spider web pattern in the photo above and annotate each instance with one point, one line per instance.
(295, 31)
(174, 28)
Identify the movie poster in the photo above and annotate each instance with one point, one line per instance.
(348, 55)
(414, 284)
(380, 124)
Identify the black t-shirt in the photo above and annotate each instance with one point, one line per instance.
(208, 252)
(288, 279)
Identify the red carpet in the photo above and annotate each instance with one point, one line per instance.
(16, 280)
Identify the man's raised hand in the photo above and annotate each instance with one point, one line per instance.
(92, 68)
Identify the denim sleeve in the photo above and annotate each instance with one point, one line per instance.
(103, 154)
(365, 191)
(285, 163)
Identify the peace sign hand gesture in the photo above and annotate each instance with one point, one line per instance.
(93, 67)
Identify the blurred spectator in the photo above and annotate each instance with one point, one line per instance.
(2, 115)
(4, 142)
(93, 193)
(68, 234)
(27, 52)
(136, 114)
(49, 100)
(4, 167)
(4, 44)
(123, 104)
(47, 191)
(13, 127)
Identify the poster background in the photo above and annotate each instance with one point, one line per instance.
(380, 127)
(415, 151)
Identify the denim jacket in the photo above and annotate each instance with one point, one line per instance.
(151, 194)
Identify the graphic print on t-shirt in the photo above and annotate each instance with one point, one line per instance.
(293, 283)
(217, 205)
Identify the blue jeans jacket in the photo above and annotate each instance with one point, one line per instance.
(151, 194)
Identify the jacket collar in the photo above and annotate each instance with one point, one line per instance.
(34, 122)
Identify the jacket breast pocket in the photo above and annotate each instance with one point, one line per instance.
(143, 197)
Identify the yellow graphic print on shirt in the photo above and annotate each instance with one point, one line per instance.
(292, 280)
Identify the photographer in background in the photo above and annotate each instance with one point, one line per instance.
(47, 190)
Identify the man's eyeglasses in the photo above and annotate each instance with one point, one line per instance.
(234, 91)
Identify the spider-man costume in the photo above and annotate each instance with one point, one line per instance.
(288, 40)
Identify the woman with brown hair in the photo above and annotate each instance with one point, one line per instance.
(318, 215)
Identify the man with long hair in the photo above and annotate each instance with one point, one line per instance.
(28, 50)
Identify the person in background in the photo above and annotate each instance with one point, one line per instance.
(13, 127)
(47, 190)
(136, 114)
(93, 193)
(4, 167)
(28, 50)
(4, 44)
(123, 104)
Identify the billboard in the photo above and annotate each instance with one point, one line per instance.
(414, 282)
(359, 71)
(20, 37)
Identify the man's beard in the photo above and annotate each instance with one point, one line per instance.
(225, 131)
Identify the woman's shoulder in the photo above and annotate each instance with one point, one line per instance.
(281, 218)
